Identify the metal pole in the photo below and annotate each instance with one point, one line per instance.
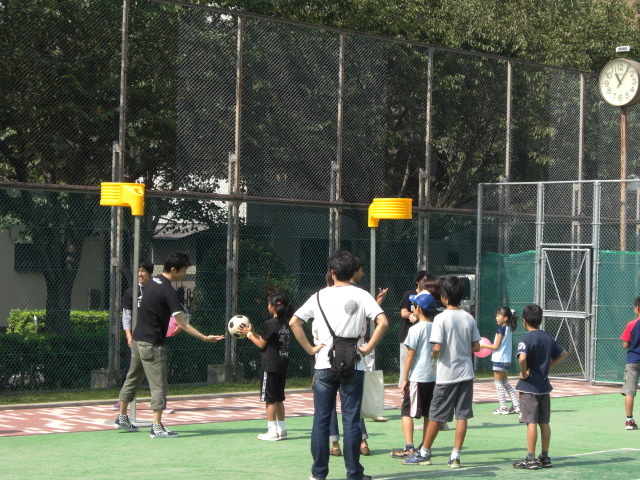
(478, 246)
(233, 223)
(424, 193)
(372, 267)
(595, 238)
(114, 312)
(623, 177)
(370, 362)
(539, 287)
(117, 175)
(507, 163)
(135, 295)
(336, 167)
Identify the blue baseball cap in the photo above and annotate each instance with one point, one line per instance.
(424, 300)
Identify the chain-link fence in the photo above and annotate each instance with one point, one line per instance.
(572, 249)
(275, 135)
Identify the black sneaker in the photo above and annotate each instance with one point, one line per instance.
(158, 431)
(544, 462)
(122, 423)
(527, 464)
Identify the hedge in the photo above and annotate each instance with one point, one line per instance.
(23, 321)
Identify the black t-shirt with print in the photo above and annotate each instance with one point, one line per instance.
(275, 357)
(159, 302)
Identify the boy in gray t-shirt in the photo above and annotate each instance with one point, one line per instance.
(454, 337)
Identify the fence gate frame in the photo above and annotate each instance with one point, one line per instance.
(580, 240)
(580, 262)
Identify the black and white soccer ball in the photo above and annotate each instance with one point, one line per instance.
(235, 322)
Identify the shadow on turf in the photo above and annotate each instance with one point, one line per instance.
(564, 462)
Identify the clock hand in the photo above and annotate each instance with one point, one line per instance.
(623, 75)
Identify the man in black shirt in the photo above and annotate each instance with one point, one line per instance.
(148, 356)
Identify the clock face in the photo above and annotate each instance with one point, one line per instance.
(619, 82)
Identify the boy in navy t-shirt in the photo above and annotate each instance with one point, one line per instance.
(631, 341)
(537, 353)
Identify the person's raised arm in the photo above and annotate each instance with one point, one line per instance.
(180, 318)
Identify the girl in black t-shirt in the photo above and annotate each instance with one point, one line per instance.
(274, 343)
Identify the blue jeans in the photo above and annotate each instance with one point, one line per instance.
(334, 430)
(325, 388)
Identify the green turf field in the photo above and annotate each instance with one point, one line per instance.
(588, 442)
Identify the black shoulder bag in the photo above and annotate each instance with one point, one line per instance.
(343, 356)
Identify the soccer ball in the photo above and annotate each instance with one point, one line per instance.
(235, 322)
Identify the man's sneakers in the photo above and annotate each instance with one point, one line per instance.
(630, 425)
(417, 459)
(527, 464)
(544, 462)
(514, 409)
(158, 431)
(122, 423)
(454, 463)
(406, 453)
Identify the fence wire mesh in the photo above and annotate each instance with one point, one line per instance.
(316, 120)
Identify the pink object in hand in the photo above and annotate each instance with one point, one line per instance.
(173, 327)
(484, 352)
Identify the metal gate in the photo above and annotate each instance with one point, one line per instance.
(565, 297)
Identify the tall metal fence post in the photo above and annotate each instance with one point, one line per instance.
(595, 300)
(336, 167)
(479, 246)
(233, 206)
(539, 288)
(424, 176)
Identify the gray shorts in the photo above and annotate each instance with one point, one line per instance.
(535, 408)
(630, 385)
(449, 398)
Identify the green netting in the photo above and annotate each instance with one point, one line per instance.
(618, 285)
(505, 280)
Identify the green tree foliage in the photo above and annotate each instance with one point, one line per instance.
(569, 33)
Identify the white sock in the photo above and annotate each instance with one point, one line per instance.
(281, 427)
(272, 426)
(455, 454)
(425, 451)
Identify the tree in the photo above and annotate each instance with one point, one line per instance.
(59, 117)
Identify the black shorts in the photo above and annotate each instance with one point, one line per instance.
(273, 387)
(416, 399)
(535, 408)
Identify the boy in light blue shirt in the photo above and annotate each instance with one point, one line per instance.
(419, 373)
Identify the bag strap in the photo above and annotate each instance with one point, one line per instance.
(333, 334)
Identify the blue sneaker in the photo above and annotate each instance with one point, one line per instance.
(417, 459)
(455, 463)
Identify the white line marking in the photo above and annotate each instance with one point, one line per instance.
(603, 451)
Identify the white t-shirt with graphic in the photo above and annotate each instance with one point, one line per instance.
(347, 309)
